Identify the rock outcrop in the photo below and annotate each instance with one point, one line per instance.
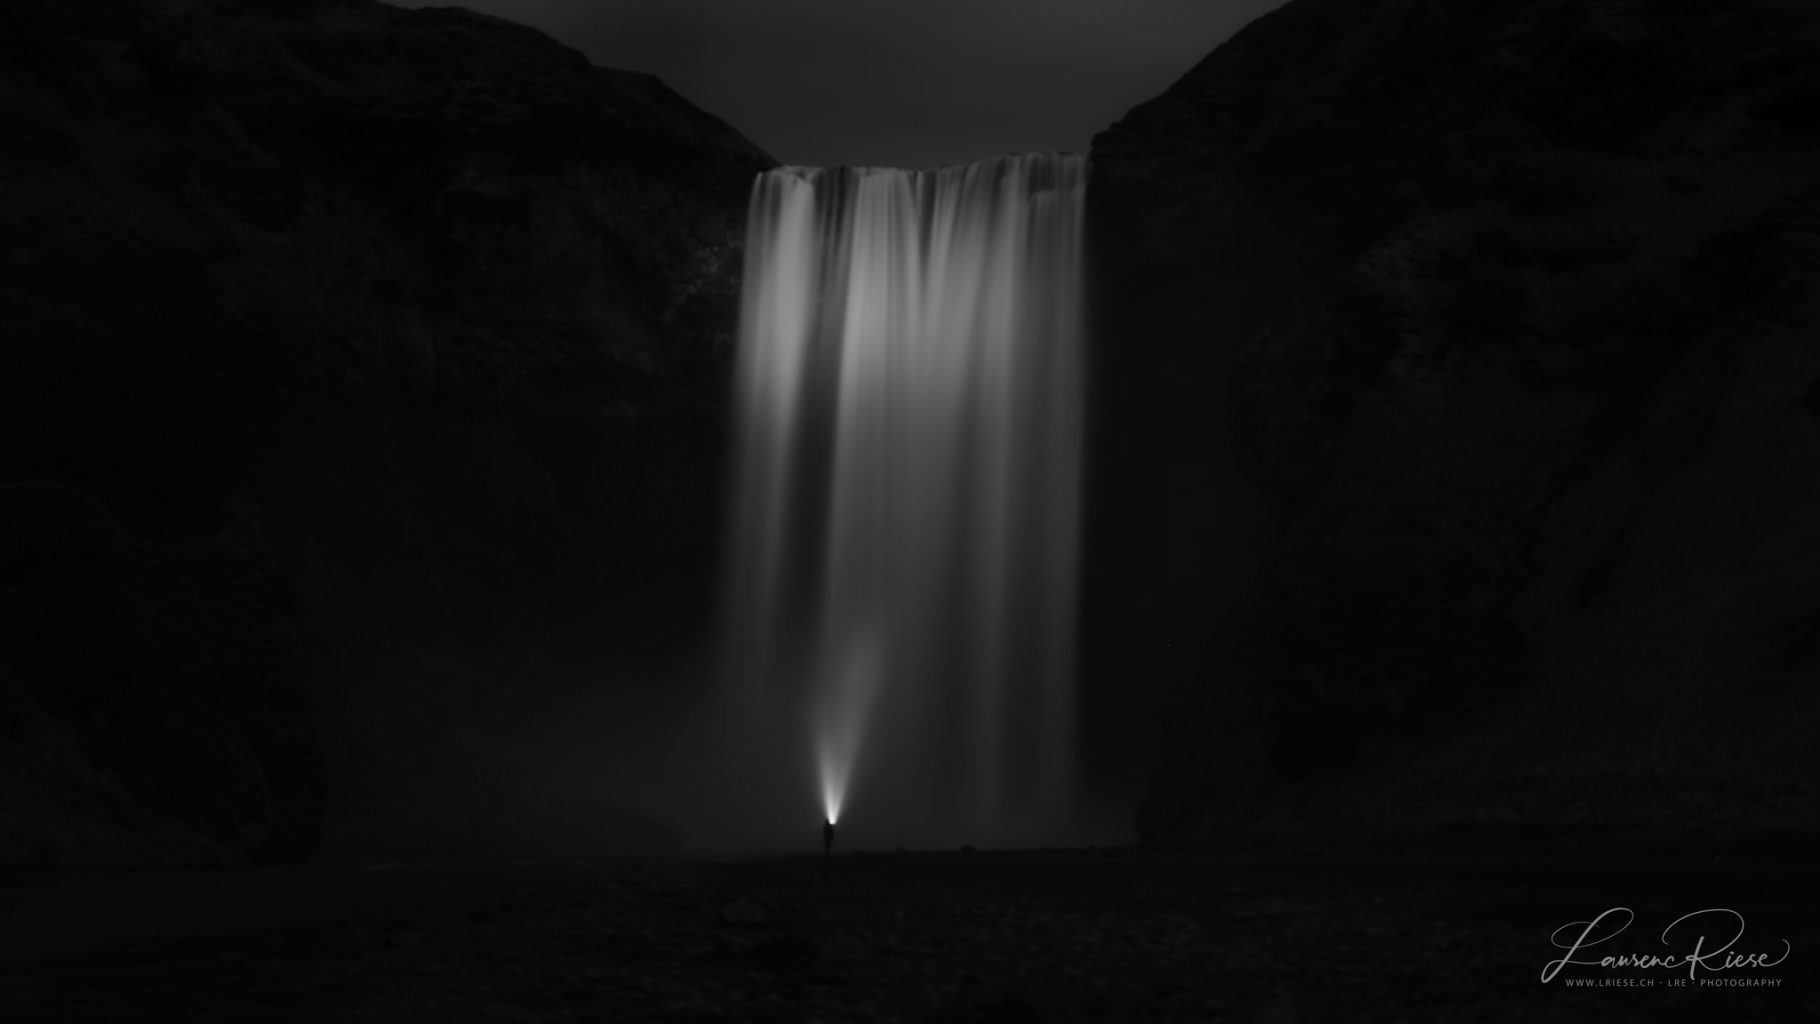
(1524, 303)
(344, 344)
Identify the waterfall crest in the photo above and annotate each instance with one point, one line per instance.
(905, 518)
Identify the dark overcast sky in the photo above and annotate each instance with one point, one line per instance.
(907, 83)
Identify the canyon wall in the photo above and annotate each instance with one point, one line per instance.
(1510, 312)
(355, 360)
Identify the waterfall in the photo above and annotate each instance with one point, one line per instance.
(904, 521)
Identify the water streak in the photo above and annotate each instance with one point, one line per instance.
(906, 509)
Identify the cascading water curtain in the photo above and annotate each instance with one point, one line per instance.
(906, 512)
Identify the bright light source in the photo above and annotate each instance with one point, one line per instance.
(843, 712)
(834, 781)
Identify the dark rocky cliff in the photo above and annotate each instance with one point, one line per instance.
(353, 357)
(1522, 312)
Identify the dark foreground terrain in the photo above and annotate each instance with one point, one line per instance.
(1073, 936)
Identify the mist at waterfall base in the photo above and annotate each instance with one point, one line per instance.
(905, 514)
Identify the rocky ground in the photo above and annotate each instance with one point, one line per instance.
(1057, 936)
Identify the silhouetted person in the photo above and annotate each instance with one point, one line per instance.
(827, 837)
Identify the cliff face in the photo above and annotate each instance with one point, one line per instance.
(1522, 298)
(350, 353)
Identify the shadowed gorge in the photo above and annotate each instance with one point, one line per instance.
(481, 539)
(400, 447)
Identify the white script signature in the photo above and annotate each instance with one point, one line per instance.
(1700, 958)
